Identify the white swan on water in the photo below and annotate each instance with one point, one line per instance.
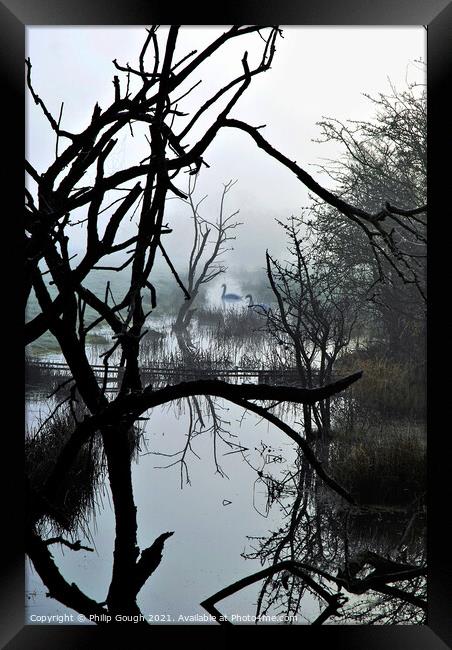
(252, 304)
(229, 297)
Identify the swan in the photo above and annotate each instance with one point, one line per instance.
(265, 308)
(229, 297)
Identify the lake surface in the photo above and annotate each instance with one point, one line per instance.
(213, 517)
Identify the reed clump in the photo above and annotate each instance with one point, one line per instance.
(389, 388)
(71, 506)
(385, 465)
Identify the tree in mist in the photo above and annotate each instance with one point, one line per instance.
(332, 284)
(317, 308)
(385, 159)
(210, 243)
(334, 281)
(79, 188)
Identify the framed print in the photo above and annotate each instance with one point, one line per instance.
(227, 340)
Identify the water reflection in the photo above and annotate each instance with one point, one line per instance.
(358, 551)
(209, 537)
(250, 501)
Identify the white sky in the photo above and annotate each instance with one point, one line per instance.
(316, 72)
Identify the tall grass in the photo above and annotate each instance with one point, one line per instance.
(75, 501)
(390, 389)
(384, 466)
(218, 338)
(41, 380)
(231, 322)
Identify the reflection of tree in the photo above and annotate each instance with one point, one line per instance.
(345, 549)
(70, 509)
(204, 418)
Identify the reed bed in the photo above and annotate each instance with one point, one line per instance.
(75, 501)
(389, 388)
(41, 380)
(384, 465)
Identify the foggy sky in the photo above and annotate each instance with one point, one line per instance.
(316, 72)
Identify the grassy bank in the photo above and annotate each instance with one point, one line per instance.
(383, 465)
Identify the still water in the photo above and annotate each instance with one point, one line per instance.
(211, 518)
(216, 502)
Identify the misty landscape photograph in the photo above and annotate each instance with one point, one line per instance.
(226, 236)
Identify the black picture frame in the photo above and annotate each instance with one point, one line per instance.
(15, 15)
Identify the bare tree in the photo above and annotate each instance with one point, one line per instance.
(317, 308)
(385, 158)
(205, 261)
(77, 188)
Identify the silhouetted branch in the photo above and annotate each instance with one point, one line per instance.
(334, 601)
(68, 594)
(53, 123)
(74, 546)
(149, 560)
(135, 405)
(77, 179)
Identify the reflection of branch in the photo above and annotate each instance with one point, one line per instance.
(75, 546)
(149, 560)
(192, 423)
(137, 403)
(310, 456)
(197, 419)
(68, 594)
(385, 571)
(315, 536)
(404, 596)
(376, 582)
(335, 601)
